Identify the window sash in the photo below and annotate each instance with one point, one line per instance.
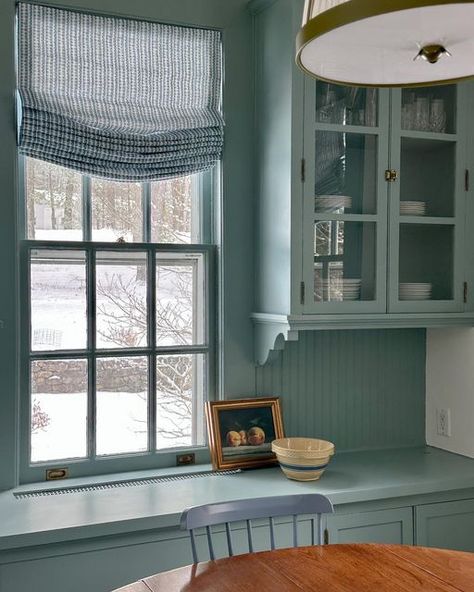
(202, 214)
(113, 463)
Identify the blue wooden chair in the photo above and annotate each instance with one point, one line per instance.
(246, 510)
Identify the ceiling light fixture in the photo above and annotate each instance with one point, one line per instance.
(387, 42)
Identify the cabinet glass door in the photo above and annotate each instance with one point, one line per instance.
(344, 242)
(426, 198)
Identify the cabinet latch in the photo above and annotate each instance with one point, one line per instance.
(326, 536)
(391, 175)
(302, 290)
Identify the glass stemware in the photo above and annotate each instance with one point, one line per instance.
(437, 116)
(422, 114)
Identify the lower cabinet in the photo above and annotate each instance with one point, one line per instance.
(101, 566)
(393, 526)
(94, 566)
(449, 525)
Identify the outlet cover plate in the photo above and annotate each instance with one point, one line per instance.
(443, 422)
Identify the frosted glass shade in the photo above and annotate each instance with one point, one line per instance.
(375, 42)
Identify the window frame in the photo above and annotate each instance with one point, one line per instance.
(152, 458)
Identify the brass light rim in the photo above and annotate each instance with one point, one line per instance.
(356, 10)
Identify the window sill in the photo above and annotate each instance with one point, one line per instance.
(352, 477)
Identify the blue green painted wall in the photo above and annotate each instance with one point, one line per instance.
(319, 379)
(359, 389)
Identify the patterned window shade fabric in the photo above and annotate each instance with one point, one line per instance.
(117, 98)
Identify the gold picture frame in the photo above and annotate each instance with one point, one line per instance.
(241, 431)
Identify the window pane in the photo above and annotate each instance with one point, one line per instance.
(174, 210)
(116, 211)
(53, 201)
(121, 297)
(122, 403)
(180, 296)
(58, 409)
(180, 386)
(58, 299)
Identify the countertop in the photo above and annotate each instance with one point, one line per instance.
(351, 477)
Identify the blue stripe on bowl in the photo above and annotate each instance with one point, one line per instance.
(300, 468)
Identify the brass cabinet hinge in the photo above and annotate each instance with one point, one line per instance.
(466, 180)
(302, 292)
(326, 536)
(391, 175)
(303, 170)
(464, 292)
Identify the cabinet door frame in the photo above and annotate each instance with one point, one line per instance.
(456, 304)
(423, 513)
(402, 516)
(379, 218)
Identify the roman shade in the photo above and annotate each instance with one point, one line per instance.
(313, 8)
(118, 98)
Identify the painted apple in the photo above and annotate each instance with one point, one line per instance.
(243, 437)
(256, 436)
(233, 439)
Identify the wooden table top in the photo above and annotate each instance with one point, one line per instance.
(328, 568)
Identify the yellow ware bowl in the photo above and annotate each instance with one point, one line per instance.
(303, 459)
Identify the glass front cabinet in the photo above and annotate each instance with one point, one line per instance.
(364, 210)
(383, 199)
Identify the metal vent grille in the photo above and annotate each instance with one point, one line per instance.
(118, 484)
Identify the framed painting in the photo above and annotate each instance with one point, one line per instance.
(241, 432)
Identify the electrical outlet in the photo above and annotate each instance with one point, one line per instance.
(443, 422)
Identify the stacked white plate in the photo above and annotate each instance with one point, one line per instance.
(413, 291)
(412, 208)
(341, 289)
(332, 203)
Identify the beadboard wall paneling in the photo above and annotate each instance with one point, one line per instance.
(360, 389)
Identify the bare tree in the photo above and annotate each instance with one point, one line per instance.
(123, 309)
(40, 420)
(55, 188)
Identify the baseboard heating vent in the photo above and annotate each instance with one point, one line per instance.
(21, 495)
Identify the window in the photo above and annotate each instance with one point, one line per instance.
(117, 327)
(119, 139)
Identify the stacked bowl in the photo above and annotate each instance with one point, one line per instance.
(303, 459)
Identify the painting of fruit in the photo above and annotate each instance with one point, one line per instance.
(241, 431)
(246, 431)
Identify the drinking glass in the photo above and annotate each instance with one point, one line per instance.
(422, 114)
(437, 116)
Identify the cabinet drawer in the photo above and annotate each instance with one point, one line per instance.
(449, 525)
(382, 526)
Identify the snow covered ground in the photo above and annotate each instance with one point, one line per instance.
(121, 426)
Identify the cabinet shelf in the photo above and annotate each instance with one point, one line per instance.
(327, 216)
(350, 129)
(434, 136)
(436, 220)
